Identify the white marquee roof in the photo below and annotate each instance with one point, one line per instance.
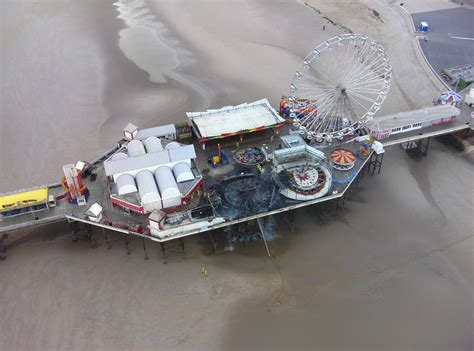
(185, 152)
(233, 119)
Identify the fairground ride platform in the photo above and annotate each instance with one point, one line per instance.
(265, 201)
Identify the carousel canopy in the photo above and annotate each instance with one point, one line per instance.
(343, 156)
(450, 96)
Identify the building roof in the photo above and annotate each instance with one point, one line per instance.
(166, 182)
(410, 117)
(234, 119)
(186, 152)
(135, 148)
(94, 210)
(297, 154)
(147, 188)
(156, 131)
(138, 162)
(153, 144)
(182, 172)
(293, 140)
(129, 164)
(157, 215)
(126, 184)
(130, 128)
(299, 149)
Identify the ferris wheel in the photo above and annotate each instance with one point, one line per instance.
(339, 86)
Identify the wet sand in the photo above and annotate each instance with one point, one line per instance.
(77, 73)
(393, 271)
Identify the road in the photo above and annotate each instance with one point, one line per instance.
(450, 38)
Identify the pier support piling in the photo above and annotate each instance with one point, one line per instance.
(315, 211)
(74, 226)
(3, 248)
(126, 244)
(291, 219)
(424, 145)
(107, 242)
(214, 242)
(172, 246)
(91, 235)
(417, 148)
(375, 163)
(144, 249)
(340, 204)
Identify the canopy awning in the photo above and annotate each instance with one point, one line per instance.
(233, 120)
(450, 96)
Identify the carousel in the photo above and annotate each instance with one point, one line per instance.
(301, 172)
(342, 159)
(249, 156)
(450, 98)
(307, 179)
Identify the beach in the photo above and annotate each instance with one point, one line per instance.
(391, 271)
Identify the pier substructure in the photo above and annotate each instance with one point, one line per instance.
(174, 246)
(91, 235)
(74, 226)
(144, 249)
(127, 241)
(3, 248)
(221, 239)
(290, 219)
(375, 163)
(418, 148)
(106, 237)
(349, 194)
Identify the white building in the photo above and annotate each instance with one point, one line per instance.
(170, 194)
(149, 195)
(126, 184)
(131, 132)
(182, 172)
(146, 177)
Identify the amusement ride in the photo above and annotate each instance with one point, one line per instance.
(338, 87)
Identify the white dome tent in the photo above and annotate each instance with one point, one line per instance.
(119, 156)
(126, 184)
(182, 172)
(172, 145)
(170, 194)
(153, 144)
(135, 148)
(149, 195)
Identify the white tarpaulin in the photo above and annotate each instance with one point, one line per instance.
(233, 119)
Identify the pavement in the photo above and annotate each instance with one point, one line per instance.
(416, 6)
(450, 38)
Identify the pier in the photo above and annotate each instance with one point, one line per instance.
(256, 191)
